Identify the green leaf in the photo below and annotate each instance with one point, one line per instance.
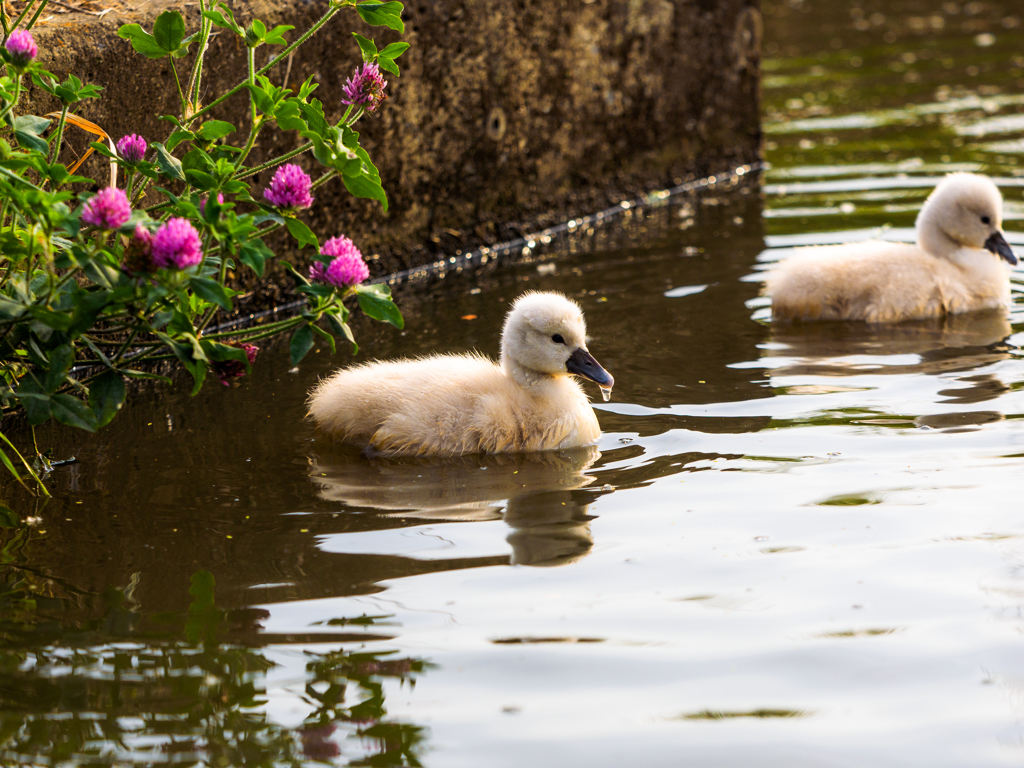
(375, 301)
(224, 18)
(288, 116)
(60, 363)
(276, 35)
(58, 321)
(326, 335)
(301, 343)
(364, 186)
(368, 47)
(168, 30)
(302, 233)
(169, 165)
(106, 395)
(388, 66)
(379, 14)
(177, 137)
(34, 400)
(7, 517)
(264, 101)
(212, 291)
(341, 329)
(200, 180)
(88, 305)
(394, 50)
(254, 254)
(73, 412)
(9, 310)
(142, 41)
(28, 131)
(198, 160)
(212, 130)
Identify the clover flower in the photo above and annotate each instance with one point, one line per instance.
(107, 209)
(347, 268)
(176, 245)
(131, 148)
(290, 188)
(365, 88)
(21, 47)
(138, 254)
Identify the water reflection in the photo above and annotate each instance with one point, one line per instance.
(533, 493)
(951, 344)
(126, 687)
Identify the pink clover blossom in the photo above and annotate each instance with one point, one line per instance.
(365, 88)
(131, 148)
(176, 245)
(290, 188)
(21, 47)
(107, 209)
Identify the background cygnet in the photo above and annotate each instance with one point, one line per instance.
(954, 267)
(450, 405)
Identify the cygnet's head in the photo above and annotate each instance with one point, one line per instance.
(965, 209)
(545, 332)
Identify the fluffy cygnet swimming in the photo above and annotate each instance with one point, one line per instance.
(449, 405)
(954, 267)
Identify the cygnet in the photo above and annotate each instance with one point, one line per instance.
(954, 267)
(450, 405)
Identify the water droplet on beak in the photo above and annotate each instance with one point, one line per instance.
(606, 393)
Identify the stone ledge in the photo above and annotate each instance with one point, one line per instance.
(510, 115)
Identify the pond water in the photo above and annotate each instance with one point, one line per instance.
(793, 546)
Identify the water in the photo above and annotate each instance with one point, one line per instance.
(791, 547)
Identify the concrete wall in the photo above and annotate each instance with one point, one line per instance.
(510, 114)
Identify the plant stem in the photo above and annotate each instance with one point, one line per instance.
(21, 15)
(35, 18)
(197, 69)
(177, 82)
(14, 101)
(276, 161)
(60, 134)
(280, 57)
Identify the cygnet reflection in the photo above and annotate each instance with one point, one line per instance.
(535, 494)
(953, 343)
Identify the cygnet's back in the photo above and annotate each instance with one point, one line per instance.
(448, 405)
(954, 267)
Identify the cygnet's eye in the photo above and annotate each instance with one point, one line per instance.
(557, 338)
(986, 220)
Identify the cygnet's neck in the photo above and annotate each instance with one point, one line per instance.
(536, 383)
(932, 239)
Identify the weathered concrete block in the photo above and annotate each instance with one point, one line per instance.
(509, 114)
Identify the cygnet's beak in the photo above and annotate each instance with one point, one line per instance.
(583, 363)
(998, 245)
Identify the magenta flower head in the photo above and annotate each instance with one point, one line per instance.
(21, 47)
(107, 209)
(131, 148)
(365, 88)
(176, 245)
(290, 188)
(346, 268)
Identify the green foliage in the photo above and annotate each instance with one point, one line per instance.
(83, 308)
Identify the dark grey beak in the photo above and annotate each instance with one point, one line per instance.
(998, 245)
(583, 363)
